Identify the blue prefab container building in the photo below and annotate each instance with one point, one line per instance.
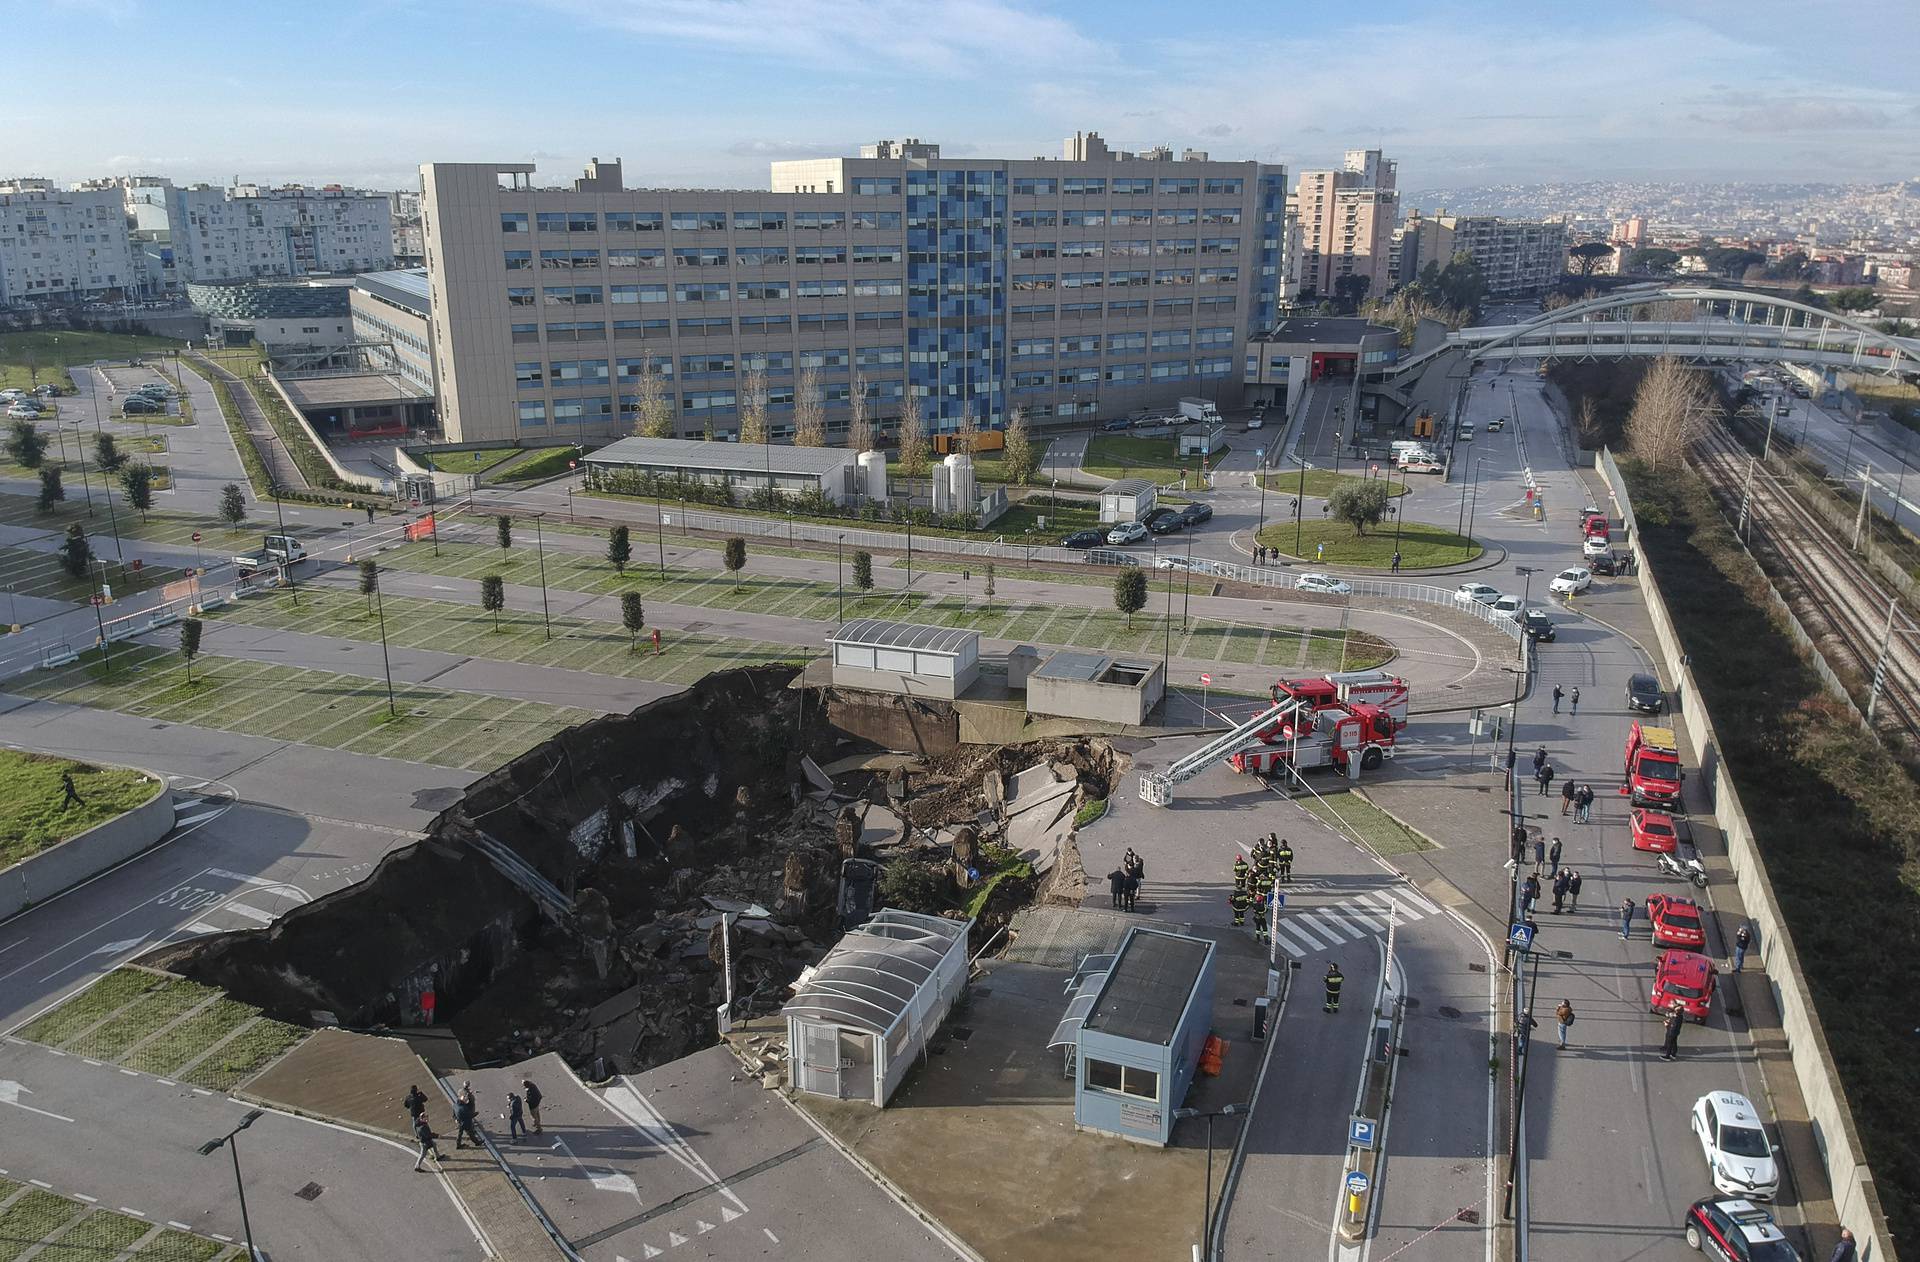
(1141, 1026)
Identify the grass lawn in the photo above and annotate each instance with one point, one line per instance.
(242, 361)
(545, 462)
(33, 809)
(1320, 483)
(1421, 546)
(1156, 459)
(76, 1232)
(160, 527)
(1386, 835)
(463, 730)
(1063, 519)
(472, 461)
(51, 351)
(60, 454)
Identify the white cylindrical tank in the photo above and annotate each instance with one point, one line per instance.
(942, 489)
(960, 483)
(873, 475)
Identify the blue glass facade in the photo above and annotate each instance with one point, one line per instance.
(956, 287)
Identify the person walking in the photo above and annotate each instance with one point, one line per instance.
(516, 1117)
(1133, 890)
(1560, 883)
(72, 795)
(1239, 901)
(415, 1102)
(1626, 919)
(1670, 1050)
(1741, 941)
(1568, 789)
(1558, 694)
(1573, 889)
(1117, 888)
(533, 1102)
(1553, 855)
(424, 1133)
(1523, 1031)
(1539, 854)
(1333, 987)
(1563, 1017)
(1583, 805)
(1539, 759)
(1529, 894)
(1573, 702)
(465, 1118)
(1846, 1250)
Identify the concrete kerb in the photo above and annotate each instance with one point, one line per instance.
(86, 855)
(1230, 1180)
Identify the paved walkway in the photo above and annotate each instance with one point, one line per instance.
(279, 462)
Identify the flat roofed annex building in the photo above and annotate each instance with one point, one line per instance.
(1068, 287)
(748, 466)
(904, 657)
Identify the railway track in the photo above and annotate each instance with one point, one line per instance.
(1841, 604)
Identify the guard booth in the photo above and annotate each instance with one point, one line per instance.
(860, 1017)
(1137, 1022)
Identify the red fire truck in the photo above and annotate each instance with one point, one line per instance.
(1329, 737)
(1653, 772)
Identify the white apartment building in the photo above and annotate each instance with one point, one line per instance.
(248, 231)
(1346, 220)
(1082, 286)
(1520, 258)
(61, 246)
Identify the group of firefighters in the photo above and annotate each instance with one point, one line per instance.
(1253, 883)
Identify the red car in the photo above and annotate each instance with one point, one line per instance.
(1676, 922)
(1685, 978)
(1652, 830)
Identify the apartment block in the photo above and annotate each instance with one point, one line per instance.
(1346, 220)
(1519, 257)
(248, 231)
(1079, 286)
(61, 246)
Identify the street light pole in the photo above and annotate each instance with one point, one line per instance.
(1186, 598)
(1206, 1196)
(840, 576)
(1467, 539)
(546, 614)
(380, 605)
(1299, 501)
(214, 1145)
(660, 534)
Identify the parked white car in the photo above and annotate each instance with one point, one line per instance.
(21, 412)
(1325, 584)
(1568, 582)
(1467, 593)
(1507, 606)
(1734, 1142)
(1596, 546)
(1127, 532)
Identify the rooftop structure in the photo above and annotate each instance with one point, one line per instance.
(905, 658)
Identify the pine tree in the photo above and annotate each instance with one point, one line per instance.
(233, 505)
(26, 444)
(493, 597)
(619, 549)
(369, 581)
(632, 617)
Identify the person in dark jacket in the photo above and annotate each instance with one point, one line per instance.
(533, 1102)
(424, 1133)
(1334, 979)
(1573, 890)
(1529, 893)
(516, 1120)
(416, 1103)
(1670, 1050)
(1553, 855)
(464, 1116)
(1583, 805)
(1560, 883)
(1545, 777)
(1568, 791)
(1845, 1251)
(1539, 759)
(1117, 886)
(1133, 890)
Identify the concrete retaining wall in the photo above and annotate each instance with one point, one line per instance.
(351, 477)
(77, 859)
(1855, 1198)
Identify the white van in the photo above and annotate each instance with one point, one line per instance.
(1466, 432)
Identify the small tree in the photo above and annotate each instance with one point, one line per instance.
(734, 557)
(859, 428)
(493, 596)
(1672, 408)
(989, 584)
(369, 581)
(1018, 460)
(76, 554)
(233, 505)
(809, 411)
(619, 549)
(26, 444)
(653, 412)
(1130, 592)
(633, 617)
(913, 437)
(138, 481)
(51, 492)
(503, 531)
(107, 454)
(753, 407)
(863, 571)
(190, 644)
(966, 438)
(1359, 504)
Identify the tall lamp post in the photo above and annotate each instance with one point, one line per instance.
(540, 547)
(1299, 499)
(380, 605)
(213, 1146)
(840, 576)
(1206, 1199)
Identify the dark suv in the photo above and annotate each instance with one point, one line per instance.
(1539, 627)
(1194, 514)
(1164, 521)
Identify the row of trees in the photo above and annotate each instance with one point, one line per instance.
(27, 446)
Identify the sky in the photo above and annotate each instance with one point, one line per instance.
(704, 93)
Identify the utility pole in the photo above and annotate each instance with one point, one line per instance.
(1880, 664)
(1860, 518)
(546, 614)
(1745, 493)
(1773, 414)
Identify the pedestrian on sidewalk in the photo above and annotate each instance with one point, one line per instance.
(1539, 853)
(1567, 791)
(1546, 779)
(1333, 987)
(1573, 890)
(424, 1133)
(1583, 805)
(415, 1102)
(1558, 694)
(1529, 894)
(1539, 759)
(1563, 1015)
(1845, 1251)
(1670, 1050)
(1553, 855)
(1133, 890)
(1396, 563)
(1741, 941)
(1560, 883)
(1626, 918)
(465, 1117)
(1117, 887)
(1573, 702)
(516, 1120)
(533, 1102)
(1523, 1031)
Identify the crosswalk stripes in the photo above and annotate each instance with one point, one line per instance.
(1308, 931)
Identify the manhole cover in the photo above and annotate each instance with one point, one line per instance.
(1476, 968)
(418, 714)
(311, 1192)
(1449, 1013)
(963, 1033)
(1467, 1216)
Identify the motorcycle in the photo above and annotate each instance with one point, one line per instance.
(1685, 862)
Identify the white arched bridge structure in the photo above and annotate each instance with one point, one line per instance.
(1684, 322)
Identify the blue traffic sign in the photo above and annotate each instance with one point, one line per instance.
(1520, 937)
(1361, 1130)
(1357, 1182)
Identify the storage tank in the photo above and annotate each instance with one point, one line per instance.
(873, 475)
(942, 489)
(960, 488)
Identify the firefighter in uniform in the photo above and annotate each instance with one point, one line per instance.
(1240, 873)
(1283, 858)
(1260, 916)
(1239, 900)
(1333, 987)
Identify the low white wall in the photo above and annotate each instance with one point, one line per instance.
(81, 858)
(352, 477)
(1855, 1198)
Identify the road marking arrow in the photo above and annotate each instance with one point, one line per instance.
(117, 948)
(615, 1182)
(10, 1093)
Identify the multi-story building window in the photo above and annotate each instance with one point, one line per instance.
(698, 221)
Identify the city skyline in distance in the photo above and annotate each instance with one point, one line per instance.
(693, 93)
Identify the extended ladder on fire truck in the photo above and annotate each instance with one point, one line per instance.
(1156, 787)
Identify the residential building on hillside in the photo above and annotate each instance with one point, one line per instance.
(62, 246)
(1519, 257)
(1067, 288)
(1346, 222)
